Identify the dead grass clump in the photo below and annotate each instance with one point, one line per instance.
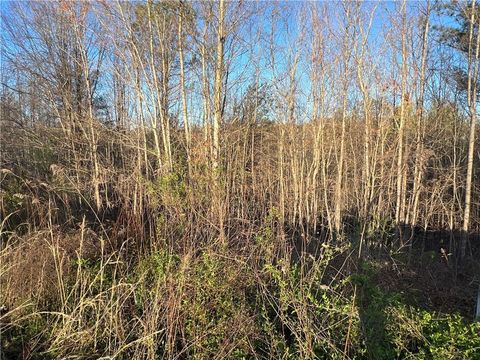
(35, 265)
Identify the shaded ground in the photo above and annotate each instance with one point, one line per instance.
(421, 302)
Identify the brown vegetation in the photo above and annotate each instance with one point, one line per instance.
(239, 180)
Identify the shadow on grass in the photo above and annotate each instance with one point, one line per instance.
(395, 326)
(372, 306)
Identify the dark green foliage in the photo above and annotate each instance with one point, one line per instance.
(393, 328)
(457, 36)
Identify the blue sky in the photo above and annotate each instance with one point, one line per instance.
(287, 30)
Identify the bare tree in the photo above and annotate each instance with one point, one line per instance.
(472, 73)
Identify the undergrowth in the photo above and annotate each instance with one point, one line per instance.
(216, 304)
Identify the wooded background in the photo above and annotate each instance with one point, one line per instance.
(191, 125)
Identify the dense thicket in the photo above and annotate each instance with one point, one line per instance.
(219, 179)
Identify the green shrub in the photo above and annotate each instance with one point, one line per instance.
(419, 334)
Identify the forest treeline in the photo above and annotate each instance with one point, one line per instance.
(211, 179)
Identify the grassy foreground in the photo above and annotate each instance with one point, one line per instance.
(70, 296)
